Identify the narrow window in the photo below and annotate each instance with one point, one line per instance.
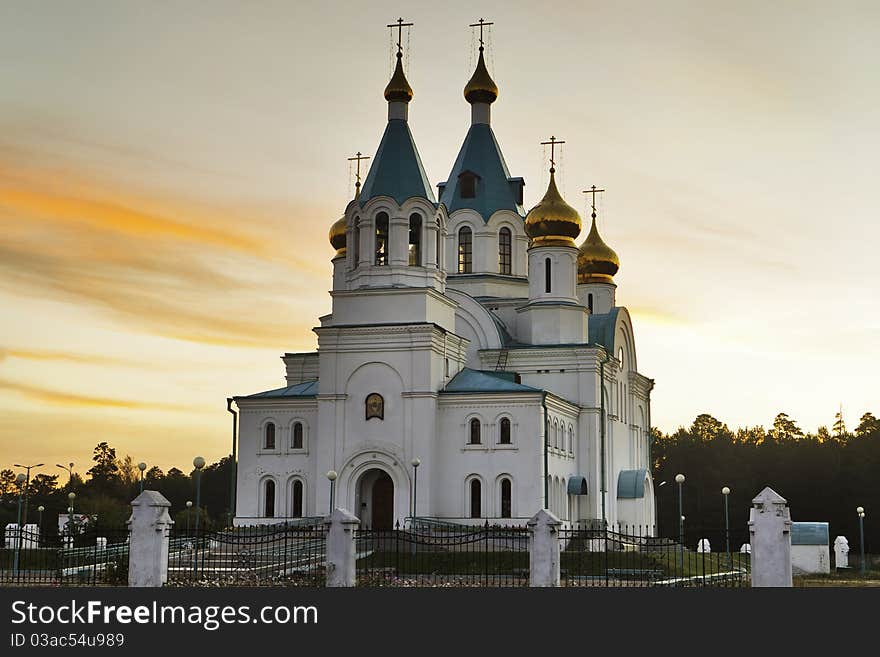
(468, 185)
(504, 251)
(547, 275)
(415, 240)
(465, 254)
(505, 498)
(476, 511)
(504, 437)
(570, 440)
(357, 241)
(269, 505)
(298, 435)
(590, 302)
(437, 244)
(269, 443)
(475, 432)
(381, 239)
(297, 499)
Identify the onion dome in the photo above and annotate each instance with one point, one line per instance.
(337, 237)
(597, 262)
(553, 222)
(398, 89)
(481, 88)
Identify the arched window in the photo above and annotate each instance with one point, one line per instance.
(415, 240)
(505, 498)
(547, 271)
(269, 503)
(269, 442)
(570, 440)
(382, 246)
(465, 250)
(357, 241)
(590, 302)
(474, 438)
(297, 499)
(297, 442)
(504, 432)
(555, 434)
(504, 251)
(437, 243)
(476, 492)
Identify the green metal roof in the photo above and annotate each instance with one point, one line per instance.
(304, 389)
(809, 533)
(601, 329)
(397, 169)
(469, 380)
(481, 155)
(631, 484)
(577, 485)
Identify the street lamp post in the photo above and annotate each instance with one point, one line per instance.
(331, 475)
(657, 506)
(198, 464)
(19, 481)
(69, 469)
(71, 496)
(415, 464)
(189, 505)
(142, 466)
(27, 486)
(725, 493)
(861, 511)
(679, 479)
(40, 510)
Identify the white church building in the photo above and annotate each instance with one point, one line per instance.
(475, 365)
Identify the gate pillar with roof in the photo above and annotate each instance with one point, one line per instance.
(149, 525)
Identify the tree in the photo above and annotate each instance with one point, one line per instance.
(868, 425)
(784, 429)
(105, 472)
(839, 426)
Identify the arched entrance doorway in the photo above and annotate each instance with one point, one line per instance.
(375, 493)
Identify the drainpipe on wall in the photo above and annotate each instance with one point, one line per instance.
(234, 474)
(546, 464)
(602, 430)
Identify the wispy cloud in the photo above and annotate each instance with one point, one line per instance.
(61, 398)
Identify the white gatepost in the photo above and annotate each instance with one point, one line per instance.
(544, 549)
(841, 552)
(341, 569)
(770, 531)
(149, 527)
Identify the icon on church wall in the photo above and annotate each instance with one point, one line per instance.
(375, 406)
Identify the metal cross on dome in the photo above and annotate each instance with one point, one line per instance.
(481, 25)
(552, 144)
(592, 190)
(358, 158)
(399, 24)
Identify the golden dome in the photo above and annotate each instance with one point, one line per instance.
(597, 262)
(481, 88)
(553, 222)
(398, 88)
(337, 237)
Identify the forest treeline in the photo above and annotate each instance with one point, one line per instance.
(824, 476)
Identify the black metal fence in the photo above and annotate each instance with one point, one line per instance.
(93, 556)
(633, 556)
(291, 554)
(443, 554)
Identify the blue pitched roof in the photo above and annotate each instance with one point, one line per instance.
(631, 484)
(481, 155)
(469, 380)
(397, 169)
(304, 389)
(601, 328)
(809, 533)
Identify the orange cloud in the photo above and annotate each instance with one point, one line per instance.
(71, 399)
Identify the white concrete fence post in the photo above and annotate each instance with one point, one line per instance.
(770, 531)
(341, 569)
(841, 552)
(149, 528)
(544, 549)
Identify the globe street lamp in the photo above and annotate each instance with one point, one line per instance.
(27, 486)
(188, 514)
(198, 464)
(40, 510)
(69, 469)
(71, 496)
(725, 493)
(679, 479)
(415, 464)
(331, 475)
(861, 511)
(142, 466)
(657, 505)
(19, 481)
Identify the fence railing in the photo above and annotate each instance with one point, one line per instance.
(280, 555)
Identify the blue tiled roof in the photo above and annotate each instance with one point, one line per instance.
(397, 169)
(304, 389)
(481, 155)
(601, 328)
(631, 484)
(809, 533)
(469, 380)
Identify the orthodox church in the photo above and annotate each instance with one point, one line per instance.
(475, 365)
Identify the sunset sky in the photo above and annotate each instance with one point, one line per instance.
(169, 172)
